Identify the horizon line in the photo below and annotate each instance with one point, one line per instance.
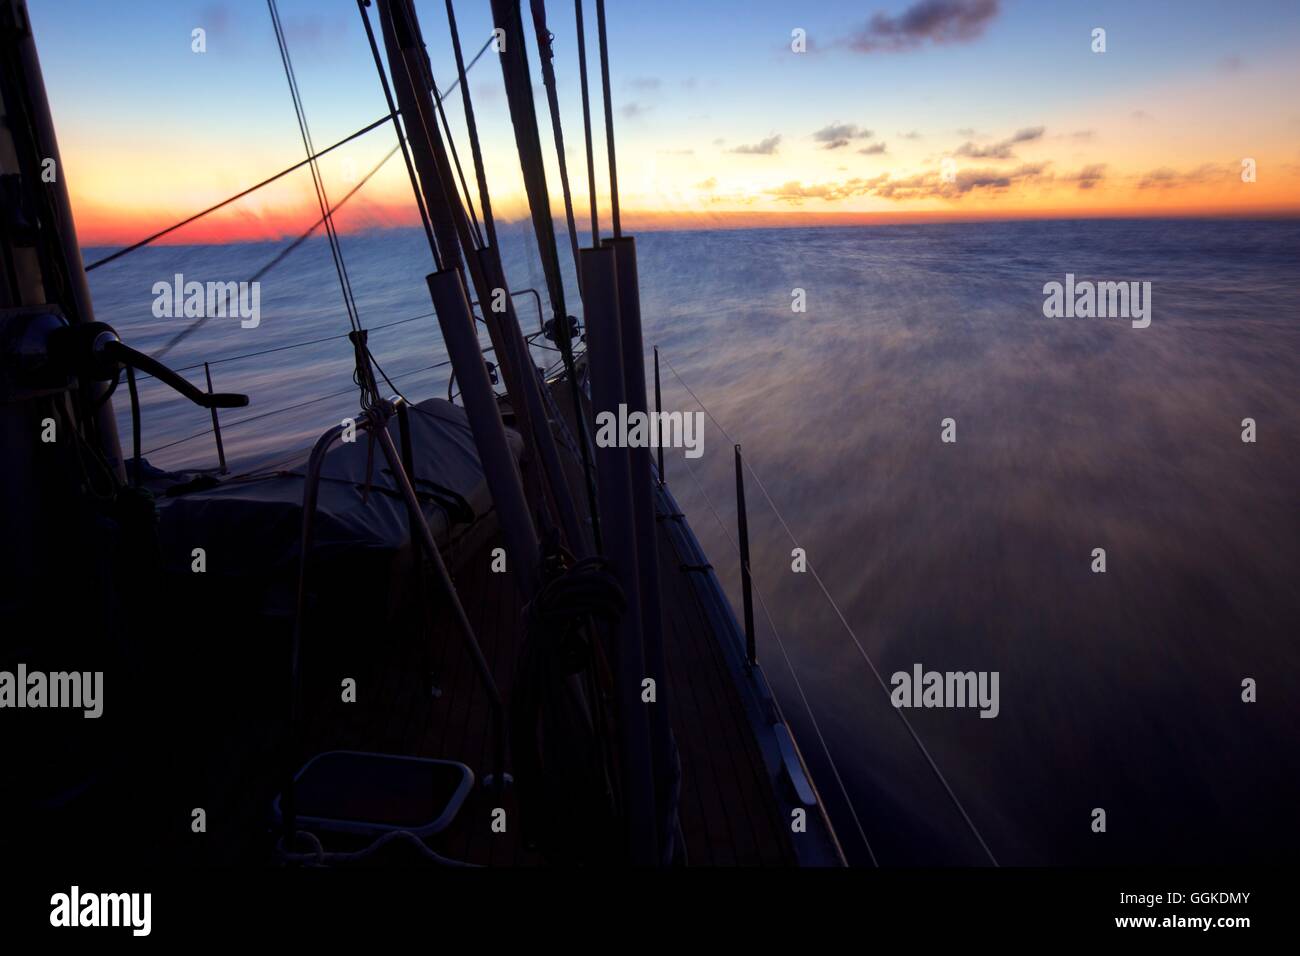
(648, 221)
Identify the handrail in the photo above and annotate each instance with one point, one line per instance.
(343, 335)
(288, 408)
(375, 421)
(311, 401)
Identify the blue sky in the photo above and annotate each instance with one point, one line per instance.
(146, 123)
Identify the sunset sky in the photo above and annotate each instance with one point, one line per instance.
(717, 121)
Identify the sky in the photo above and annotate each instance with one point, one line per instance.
(897, 110)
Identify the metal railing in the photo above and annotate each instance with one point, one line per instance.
(216, 427)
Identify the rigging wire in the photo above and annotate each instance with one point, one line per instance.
(790, 667)
(369, 127)
(455, 158)
(485, 202)
(489, 224)
(844, 621)
(546, 54)
(401, 139)
(321, 197)
(280, 256)
(402, 145)
(284, 253)
(291, 345)
(523, 117)
(432, 139)
(147, 240)
(609, 118)
(586, 122)
(289, 408)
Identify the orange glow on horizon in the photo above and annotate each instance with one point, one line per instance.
(105, 228)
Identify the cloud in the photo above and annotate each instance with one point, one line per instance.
(1089, 176)
(1168, 178)
(635, 110)
(1141, 116)
(875, 149)
(315, 33)
(928, 185)
(710, 183)
(764, 147)
(1232, 63)
(795, 192)
(838, 134)
(910, 135)
(928, 21)
(215, 19)
(1002, 149)
(647, 84)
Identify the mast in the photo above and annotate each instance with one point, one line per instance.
(523, 117)
(613, 498)
(641, 473)
(63, 496)
(408, 65)
(49, 268)
(617, 512)
(412, 77)
(43, 288)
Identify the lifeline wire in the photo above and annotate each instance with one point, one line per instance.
(861, 650)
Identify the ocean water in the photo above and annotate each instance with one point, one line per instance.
(1120, 691)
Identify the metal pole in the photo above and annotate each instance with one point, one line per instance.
(310, 493)
(216, 423)
(136, 454)
(643, 503)
(417, 115)
(408, 463)
(609, 118)
(397, 126)
(420, 531)
(412, 74)
(431, 553)
(452, 306)
(618, 518)
(746, 584)
(659, 438)
(523, 117)
(27, 107)
(586, 121)
(408, 62)
(537, 418)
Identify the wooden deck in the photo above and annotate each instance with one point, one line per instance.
(727, 812)
(418, 694)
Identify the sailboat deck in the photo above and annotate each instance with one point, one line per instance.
(417, 693)
(727, 812)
